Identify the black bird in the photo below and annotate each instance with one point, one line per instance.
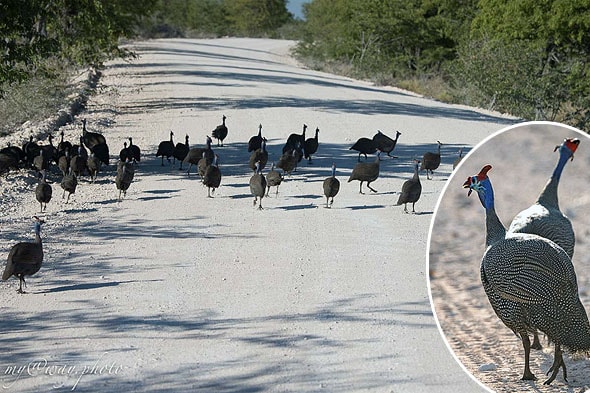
(63, 162)
(93, 165)
(212, 177)
(364, 146)
(50, 151)
(259, 155)
(166, 149)
(78, 163)
(25, 259)
(411, 190)
(297, 139)
(43, 192)
(366, 171)
(125, 153)
(288, 161)
(220, 132)
(41, 162)
(91, 139)
(311, 146)
(63, 145)
(384, 143)
(256, 141)
(135, 151)
(273, 178)
(181, 150)
(69, 183)
(258, 186)
(196, 153)
(125, 173)
(331, 187)
(101, 151)
(431, 161)
(31, 150)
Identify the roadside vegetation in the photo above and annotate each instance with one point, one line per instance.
(528, 58)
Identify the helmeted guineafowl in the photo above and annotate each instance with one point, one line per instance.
(166, 149)
(431, 161)
(259, 155)
(196, 153)
(69, 183)
(25, 258)
(43, 192)
(384, 143)
(124, 177)
(255, 141)
(531, 284)
(181, 150)
(311, 146)
(220, 132)
(90, 139)
(288, 161)
(411, 190)
(212, 177)
(273, 179)
(331, 187)
(458, 159)
(93, 164)
(544, 218)
(134, 150)
(364, 146)
(297, 139)
(258, 186)
(366, 172)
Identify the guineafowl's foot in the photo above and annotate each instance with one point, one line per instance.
(557, 363)
(528, 376)
(372, 189)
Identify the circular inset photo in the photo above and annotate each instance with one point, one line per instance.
(509, 260)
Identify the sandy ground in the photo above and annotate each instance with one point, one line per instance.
(169, 291)
(522, 162)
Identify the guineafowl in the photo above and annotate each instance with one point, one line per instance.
(41, 162)
(125, 153)
(78, 163)
(273, 178)
(411, 190)
(531, 284)
(134, 150)
(25, 259)
(544, 218)
(366, 171)
(31, 150)
(63, 145)
(91, 139)
(212, 177)
(256, 141)
(458, 159)
(431, 161)
(181, 150)
(297, 139)
(63, 162)
(288, 161)
(203, 164)
(93, 164)
(50, 151)
(124, 177)
(259, 155)
(384, 143)
(101, 151)
(220, 132)
(258, 186)
(43, 192)
(311, 146)
(166, 149)
(69, 183)
(364, 146)
(16, 155)
(196, 153)
(331, 187)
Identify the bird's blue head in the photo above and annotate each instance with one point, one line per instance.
(481, 184)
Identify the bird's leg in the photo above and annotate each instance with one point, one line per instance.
(371, 188)
(405, 207)
(255, 200)
(526, 343)
(63, 195)
(331, 201)
(536, 342)
(413, 204)
(557, 363)
(361, 188)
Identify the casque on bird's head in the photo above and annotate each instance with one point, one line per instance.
(571, 144)
(474, 182)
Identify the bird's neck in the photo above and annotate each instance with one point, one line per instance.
(495, 230)
(548, 196)
(416, 176)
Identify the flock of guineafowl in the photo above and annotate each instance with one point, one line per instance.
(90, 152)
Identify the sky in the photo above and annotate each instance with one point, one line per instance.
(294, 7)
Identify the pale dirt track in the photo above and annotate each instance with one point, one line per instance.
(170, 291)
(522, 160)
